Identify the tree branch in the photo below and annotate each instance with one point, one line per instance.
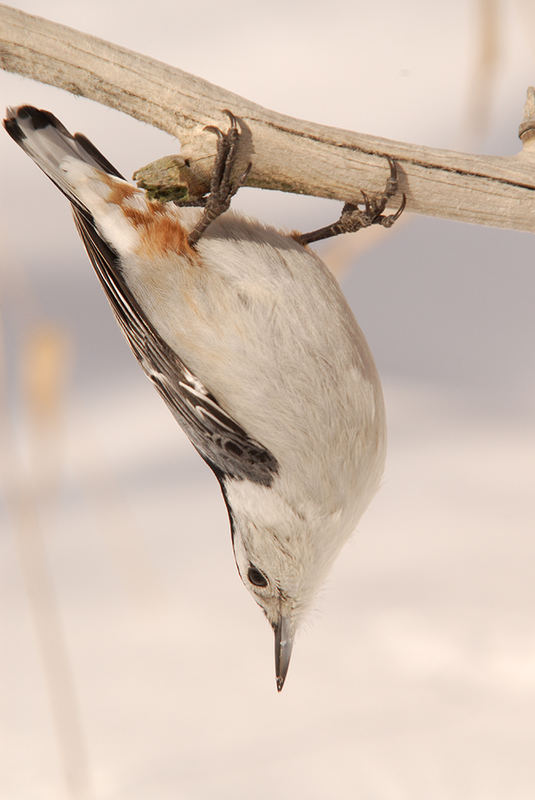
(288, 154)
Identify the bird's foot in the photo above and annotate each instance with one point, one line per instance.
(223, 184)
(357, 216)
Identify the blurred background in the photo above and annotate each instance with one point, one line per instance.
(133, 663)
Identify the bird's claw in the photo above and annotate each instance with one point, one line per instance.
(222, 184)
(354, 217)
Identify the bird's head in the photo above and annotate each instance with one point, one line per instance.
(282, 554)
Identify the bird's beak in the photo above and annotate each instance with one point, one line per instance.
(283, 649)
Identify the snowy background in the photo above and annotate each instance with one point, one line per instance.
(415, 677)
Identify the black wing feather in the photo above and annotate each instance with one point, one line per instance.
(223, 444)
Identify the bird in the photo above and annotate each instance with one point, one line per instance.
(249, 340)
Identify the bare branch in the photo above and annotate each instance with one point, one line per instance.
(288, 154)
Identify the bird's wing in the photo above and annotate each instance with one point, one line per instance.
(223, 444)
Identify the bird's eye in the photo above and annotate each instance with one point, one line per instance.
(255, 577)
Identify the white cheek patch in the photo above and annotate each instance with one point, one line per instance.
(241, 557)
(273, 532)
(256, 502)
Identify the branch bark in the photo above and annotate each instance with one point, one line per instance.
(286, 153)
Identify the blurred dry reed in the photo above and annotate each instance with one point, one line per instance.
(27, 482)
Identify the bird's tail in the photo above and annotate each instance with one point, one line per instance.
(43, 137)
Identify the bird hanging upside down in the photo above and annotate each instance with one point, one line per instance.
(250, 342)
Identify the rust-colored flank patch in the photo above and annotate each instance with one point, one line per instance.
(159, 232)
(119, 192)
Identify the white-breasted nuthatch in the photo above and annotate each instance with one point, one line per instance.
(250, 342)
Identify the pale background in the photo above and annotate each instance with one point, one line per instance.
(416, 676)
